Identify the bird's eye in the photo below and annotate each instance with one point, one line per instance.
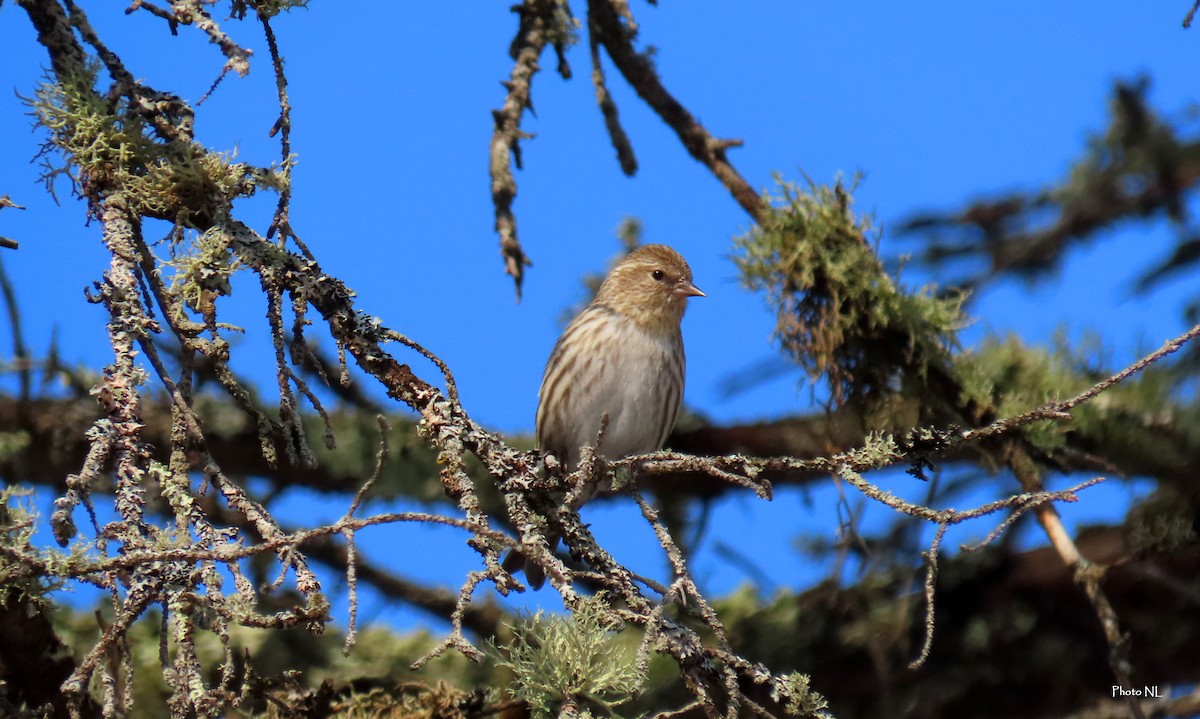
(658, 275)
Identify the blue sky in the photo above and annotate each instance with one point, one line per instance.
(937, 103)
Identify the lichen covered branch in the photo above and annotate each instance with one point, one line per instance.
(608, 25)
(541, 23)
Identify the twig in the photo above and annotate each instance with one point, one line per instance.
(1086, 574)
(505, 149)
(20, 351)
(283, 126)
(1059, 409)
(351, 551)
(931, 558)
(81, 569)
(189, 12)
(172, 22)
(605, 26)
(608, 108)
(6, 243)
(456, 639)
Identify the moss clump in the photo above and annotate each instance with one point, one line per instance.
(1161, 522)
(576, 659)
(838, 313)
(111, 147)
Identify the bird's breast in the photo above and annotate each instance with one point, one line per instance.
(608, 365)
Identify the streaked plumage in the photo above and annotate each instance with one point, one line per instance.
(621, 356)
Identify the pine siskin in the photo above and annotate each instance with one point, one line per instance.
(622, 356)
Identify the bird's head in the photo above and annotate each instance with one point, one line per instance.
(651, 286)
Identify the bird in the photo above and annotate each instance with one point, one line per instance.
(620, 360)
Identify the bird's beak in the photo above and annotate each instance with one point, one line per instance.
(687, 289)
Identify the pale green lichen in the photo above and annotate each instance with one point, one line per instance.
(18, 521)
(796, 696)
(265, 8)
(12, 444)
(878, 448)
(205, 266)
(1161, 522)
(576, 658)
(838, 313)
(108, 144)
(1009, 378)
